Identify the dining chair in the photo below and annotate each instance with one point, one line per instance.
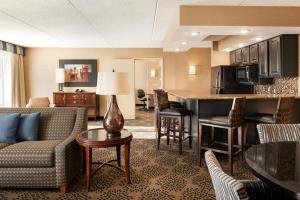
(226, 187)
(278, 132)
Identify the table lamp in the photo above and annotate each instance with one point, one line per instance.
(113, 83)
(60, 78)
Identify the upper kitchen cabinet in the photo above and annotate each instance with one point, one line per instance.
(253, 54)
(245, 55)
(263, 67)
(232, 57)
(283, 56)
(238, 56)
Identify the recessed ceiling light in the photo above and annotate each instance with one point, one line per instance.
(241, 45)
(244, 31)
(177, 49)
(195, 33)
(184, 43)
(258, 38)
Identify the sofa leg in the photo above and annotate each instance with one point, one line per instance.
(63, 189)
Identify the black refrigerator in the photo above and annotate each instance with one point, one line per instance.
(223, 81)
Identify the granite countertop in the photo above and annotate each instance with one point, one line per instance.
(185, 94)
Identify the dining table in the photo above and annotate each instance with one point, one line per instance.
(277, 164)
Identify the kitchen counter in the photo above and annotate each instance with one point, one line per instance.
(190, 95)
(206, 105)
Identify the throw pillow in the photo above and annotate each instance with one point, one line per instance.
(28, 127)
(8, 127)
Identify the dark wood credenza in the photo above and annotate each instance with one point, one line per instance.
(78, 99)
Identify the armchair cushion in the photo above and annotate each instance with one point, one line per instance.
(29, 154)
(28, 127)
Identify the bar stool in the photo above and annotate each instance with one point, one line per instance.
(282, 115)
(172, 117)
(231, 122)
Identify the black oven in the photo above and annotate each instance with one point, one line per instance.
(247, 74)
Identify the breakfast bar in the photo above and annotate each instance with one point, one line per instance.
(205, 105)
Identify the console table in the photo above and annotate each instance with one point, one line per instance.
(88, 100)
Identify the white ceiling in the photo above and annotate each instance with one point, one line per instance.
(101, 23)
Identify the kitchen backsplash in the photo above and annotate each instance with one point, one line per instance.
(287, 85)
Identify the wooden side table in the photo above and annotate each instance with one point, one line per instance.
(99, 138)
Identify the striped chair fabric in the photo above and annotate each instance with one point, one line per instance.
(228, 188)
(278, 132)
(225, 186)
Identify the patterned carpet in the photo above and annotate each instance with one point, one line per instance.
(155, 175)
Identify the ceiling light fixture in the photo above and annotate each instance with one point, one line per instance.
(258, 38)
(195, 33)
(183, 43)
(244, 31)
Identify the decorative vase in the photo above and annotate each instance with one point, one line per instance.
(113, 121)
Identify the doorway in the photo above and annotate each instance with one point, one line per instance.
(148, 75)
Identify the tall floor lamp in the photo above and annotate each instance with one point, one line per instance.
(113, 83)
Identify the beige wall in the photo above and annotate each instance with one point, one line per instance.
(40, 64)
(176, 67)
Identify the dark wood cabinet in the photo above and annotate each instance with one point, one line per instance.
(263, 64)
(253, 54)
(232, 57)
(82, 99)
(245, 55)
(238, 56)
(283, 56)
(274, 57)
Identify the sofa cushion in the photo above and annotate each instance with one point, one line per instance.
(28, 127)
(8, 127)
(2, 145)
(29, 154)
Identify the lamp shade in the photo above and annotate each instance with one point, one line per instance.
(60, 75)
(112, 83)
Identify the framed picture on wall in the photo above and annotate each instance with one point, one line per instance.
(79, 73)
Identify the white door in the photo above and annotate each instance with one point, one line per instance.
(126, 102)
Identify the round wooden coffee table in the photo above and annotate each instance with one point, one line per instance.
(99, 138)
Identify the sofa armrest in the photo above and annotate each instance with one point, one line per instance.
(68, 162)
(68, 154)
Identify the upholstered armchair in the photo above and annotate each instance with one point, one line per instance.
(52, 161)
(278, 132)
(39, 102)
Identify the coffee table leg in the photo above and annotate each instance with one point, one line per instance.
(88, 167)
(118, 155)
(127, 157)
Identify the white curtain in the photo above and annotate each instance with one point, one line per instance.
(12, 89)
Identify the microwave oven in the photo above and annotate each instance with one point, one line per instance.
(247, 74)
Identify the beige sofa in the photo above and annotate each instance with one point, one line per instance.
(51, 162)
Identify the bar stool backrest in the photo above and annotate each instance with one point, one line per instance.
(237, 112)
(161, 100)
(284, 111)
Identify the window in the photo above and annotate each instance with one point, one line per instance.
(6, 79)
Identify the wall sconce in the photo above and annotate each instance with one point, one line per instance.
(192, 70)
(152, 73)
